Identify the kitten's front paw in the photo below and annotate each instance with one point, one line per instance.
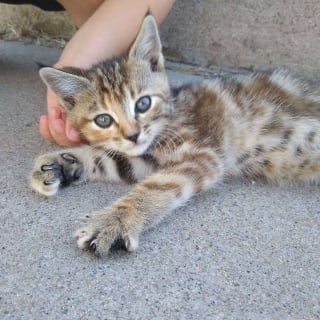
(103, 230)
(54, 170)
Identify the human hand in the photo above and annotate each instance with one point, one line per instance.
(55, 127)
(93, 42)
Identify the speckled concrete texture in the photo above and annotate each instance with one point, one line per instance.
(246, 33)
(241, 251)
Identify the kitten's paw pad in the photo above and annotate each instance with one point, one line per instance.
(53, 170)
(46, 177)
(103, 232)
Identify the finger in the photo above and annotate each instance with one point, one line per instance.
(56, 120)
(57, 127)
(71, 133)
(44, 128)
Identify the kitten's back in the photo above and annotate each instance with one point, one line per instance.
(263, 124)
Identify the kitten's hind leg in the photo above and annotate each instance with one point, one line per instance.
(55, 170)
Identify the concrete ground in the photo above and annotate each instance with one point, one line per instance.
(242, 251)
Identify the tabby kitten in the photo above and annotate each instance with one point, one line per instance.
(174, 143)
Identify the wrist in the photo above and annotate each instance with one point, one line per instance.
(73, 55)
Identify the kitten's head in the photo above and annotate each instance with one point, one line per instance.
(122, 104)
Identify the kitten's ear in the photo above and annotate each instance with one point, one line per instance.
(65, 85)
(147, 45)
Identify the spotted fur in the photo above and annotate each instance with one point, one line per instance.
(263, 125)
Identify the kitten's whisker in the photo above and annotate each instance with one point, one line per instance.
(170, 136)
(174, 133)
(99, 156)
(171, 143)
(166, 141)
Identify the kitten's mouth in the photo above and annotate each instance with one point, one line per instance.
(138, 148)
(146, 143)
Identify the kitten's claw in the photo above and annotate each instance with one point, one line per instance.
(131, 243)
(46, 178)
(103, 231)
(53, 170)
(85, 237)
(47, 167)
(93, 245)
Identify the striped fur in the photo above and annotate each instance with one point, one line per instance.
(263, 125)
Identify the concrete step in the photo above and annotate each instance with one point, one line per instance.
(233, 33)
(246, 33)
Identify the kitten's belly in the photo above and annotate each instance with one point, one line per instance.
(291, 152)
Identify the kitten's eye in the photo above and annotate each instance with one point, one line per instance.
(143, 104)
(103, 120)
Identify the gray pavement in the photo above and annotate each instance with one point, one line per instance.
(242, 251)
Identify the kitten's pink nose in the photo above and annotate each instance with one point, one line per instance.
(134, 138)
